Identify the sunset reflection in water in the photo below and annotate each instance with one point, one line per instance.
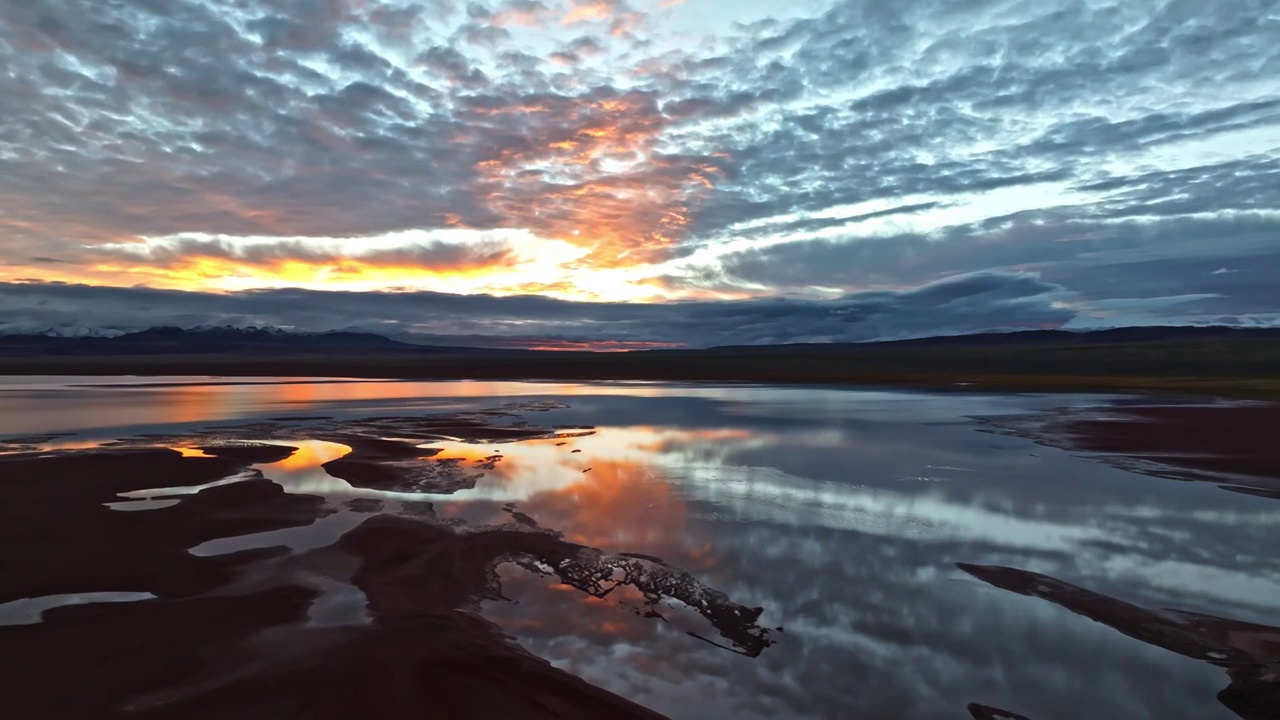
(842, 513)
(55, 404)
(612, 494)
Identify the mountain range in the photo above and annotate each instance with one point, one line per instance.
(206, 340)
(1213, 360)
(276, 342)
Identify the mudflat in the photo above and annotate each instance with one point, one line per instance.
(246, 634)
(283, 549)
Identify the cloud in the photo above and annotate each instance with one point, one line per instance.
(757, 149)
(231, 263)
(967, 304)
(431, 255)
(1097, 259)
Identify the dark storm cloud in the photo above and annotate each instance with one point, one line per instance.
(1144, 263)
(966, 304)
(1251, 289)
(1039, 240)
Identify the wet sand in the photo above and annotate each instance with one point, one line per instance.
(381, 623)
(1231, 443)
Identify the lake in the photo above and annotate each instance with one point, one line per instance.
(910, 558)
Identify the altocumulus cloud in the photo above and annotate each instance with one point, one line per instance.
(842, 164)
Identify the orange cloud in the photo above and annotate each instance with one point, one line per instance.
(592, 173)
(600, 510)
(589, 170)
(622, 20)
(204, 261)
(524, 15)
(588, 10)
(227, 273)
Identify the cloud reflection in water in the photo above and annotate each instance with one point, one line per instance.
(842, 513)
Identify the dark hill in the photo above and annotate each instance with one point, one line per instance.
(1025, 338)
(211, 341)
(1199, 359)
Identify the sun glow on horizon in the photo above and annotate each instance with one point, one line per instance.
(458, 261)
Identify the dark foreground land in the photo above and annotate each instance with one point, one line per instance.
(1220, 361)
(253, 633)
(247, 635)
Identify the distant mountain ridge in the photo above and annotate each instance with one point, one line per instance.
(1133, 334)
(209, 340)
(277, 342)
(1211, 360)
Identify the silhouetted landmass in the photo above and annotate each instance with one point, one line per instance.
(210, 340)
(1217, 360)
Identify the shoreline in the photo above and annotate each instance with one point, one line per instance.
(604, 370)
(211, 623)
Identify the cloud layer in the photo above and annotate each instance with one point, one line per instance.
(977, 302)
(1117, 152)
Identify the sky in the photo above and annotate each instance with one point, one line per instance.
(638, 173)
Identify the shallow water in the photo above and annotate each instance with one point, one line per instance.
(842, 512)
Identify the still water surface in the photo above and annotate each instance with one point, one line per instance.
(842, 512)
